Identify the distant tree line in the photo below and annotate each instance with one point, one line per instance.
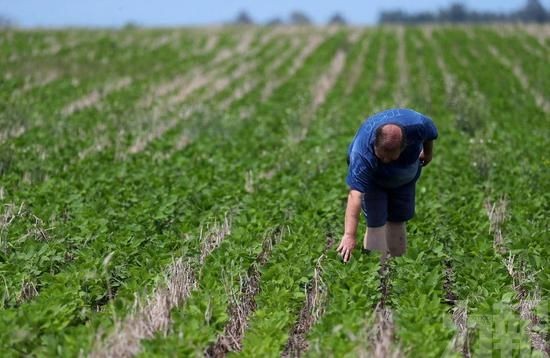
(533, 11)
(6, 22)
(297, 18)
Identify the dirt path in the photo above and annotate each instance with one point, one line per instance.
(153, 315)
(460, 342)
(540, 32)
(380, 77)
(311, 311)
(381, 336)
(528, 300)
(154, 125)
(328, 79)
(358, 67)
(541, 101)
(312, 43)
(243, 304)
(425, 84)
(401, 93)
(94, 98)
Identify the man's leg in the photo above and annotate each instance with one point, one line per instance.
(375, 239)
(401, 203)
(396, 238)
(375, 208)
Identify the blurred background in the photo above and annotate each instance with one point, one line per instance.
(169, 13)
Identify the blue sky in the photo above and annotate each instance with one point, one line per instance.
(30, 13)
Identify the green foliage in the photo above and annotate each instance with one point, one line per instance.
(88, 225)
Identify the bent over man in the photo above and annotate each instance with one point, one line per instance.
(385, 160)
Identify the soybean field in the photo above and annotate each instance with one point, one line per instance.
(181, 192)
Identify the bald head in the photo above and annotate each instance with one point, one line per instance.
(388, 142)
(389, 137)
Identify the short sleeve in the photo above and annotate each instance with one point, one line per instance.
(430, 130)
(358, 177)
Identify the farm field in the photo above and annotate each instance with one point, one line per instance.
(181, 192)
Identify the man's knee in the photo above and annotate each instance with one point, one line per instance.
(396, 236)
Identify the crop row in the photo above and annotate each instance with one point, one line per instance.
(144, 165)
(54, 200)
(479, 116)
(268, 280)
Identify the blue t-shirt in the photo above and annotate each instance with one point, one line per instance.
(366, 170)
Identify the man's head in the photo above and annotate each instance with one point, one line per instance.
(389, 142)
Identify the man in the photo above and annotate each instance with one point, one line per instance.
(385, 160)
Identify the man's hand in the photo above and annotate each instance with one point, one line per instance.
(346, 247)
(425, 159)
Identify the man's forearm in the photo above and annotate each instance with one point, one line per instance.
(353, 210)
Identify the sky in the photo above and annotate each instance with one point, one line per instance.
(114, 13)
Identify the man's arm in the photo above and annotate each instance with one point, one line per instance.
(427, 152)
(352, 213)
(353, 210)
